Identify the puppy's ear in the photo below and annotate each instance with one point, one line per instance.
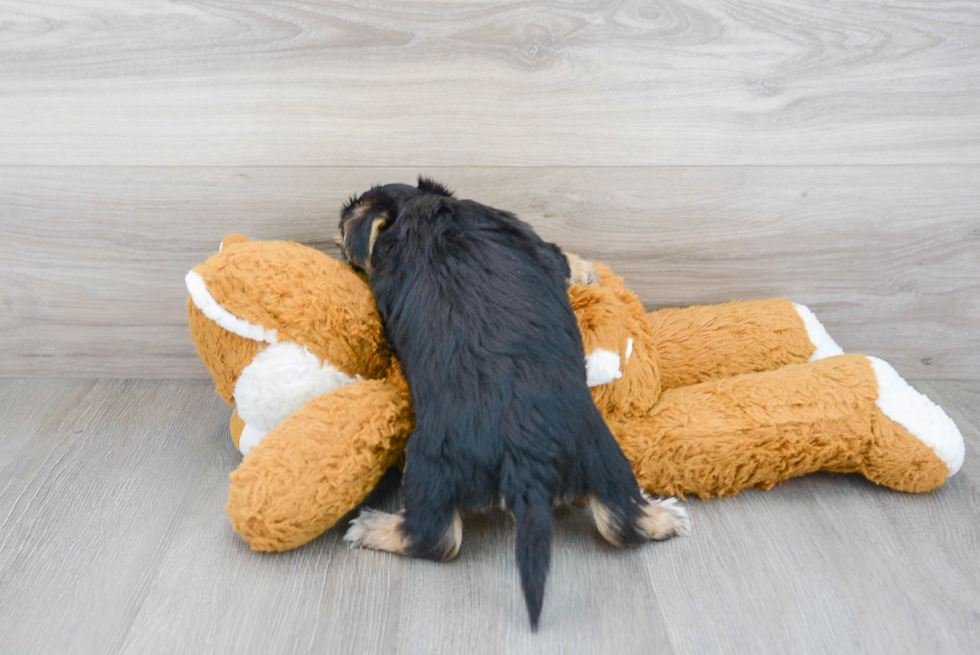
(360, 233)
(428, 185)
(362, 220)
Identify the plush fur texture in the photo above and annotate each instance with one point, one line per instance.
(819, 416)
(474, 305)
(920, 416)
(310, 299)
(744, 406)
(319, 464)
(824, 345)
(277, 382)
(732, 338)
(323, 458)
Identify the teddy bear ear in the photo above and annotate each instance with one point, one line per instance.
(232, 239)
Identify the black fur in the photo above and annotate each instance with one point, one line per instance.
(474, 304)
(429, 185)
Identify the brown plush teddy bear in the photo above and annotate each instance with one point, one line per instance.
(704, 400)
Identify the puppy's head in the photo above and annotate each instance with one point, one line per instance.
(364, 216)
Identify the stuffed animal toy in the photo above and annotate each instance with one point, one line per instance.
(704, 401)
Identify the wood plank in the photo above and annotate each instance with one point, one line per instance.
(326, 598)
(821, 564)
(596, 601)
(489, 83)
(832, 563)
(213, 594)
(825, 564)
(113, 538)
(93, 259)
(30, 410)
(95, 491)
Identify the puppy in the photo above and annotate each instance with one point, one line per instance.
(474, 305)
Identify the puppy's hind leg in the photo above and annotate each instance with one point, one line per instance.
(389, 532)
(623, 514)
(653, 520)
(378, 531)
(436, 536)
(432, 521)
(428, 526)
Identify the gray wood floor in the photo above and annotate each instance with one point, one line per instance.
(113, 540)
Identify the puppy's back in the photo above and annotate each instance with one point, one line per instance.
(474, 303)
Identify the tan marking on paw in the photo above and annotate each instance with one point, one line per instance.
(382, 531)
(605, 521)
(453, 539)
(378, 531)
(663, 518)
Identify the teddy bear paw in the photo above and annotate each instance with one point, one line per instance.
(922, 418)
(582, 272)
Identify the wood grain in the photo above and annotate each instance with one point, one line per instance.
(113, 539)
(213, 594)
(489, 83)
(588, 580)
(96, 478)
(93, 259)
(833, 563)
(828, 564)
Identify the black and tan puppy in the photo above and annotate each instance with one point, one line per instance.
(474, 305)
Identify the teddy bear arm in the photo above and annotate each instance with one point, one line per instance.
(319, 464)
(710, 342)
(759, 429)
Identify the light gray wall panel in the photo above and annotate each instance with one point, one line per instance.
(889, 257)
(692, 82)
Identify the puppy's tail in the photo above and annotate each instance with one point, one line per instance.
(532, 510)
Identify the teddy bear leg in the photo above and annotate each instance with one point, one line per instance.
(915, 444)
(718, 341)
(318, 464)
(845, 414)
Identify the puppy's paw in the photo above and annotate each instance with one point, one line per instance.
(583, 272)
(664, 518)
(378, 531)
